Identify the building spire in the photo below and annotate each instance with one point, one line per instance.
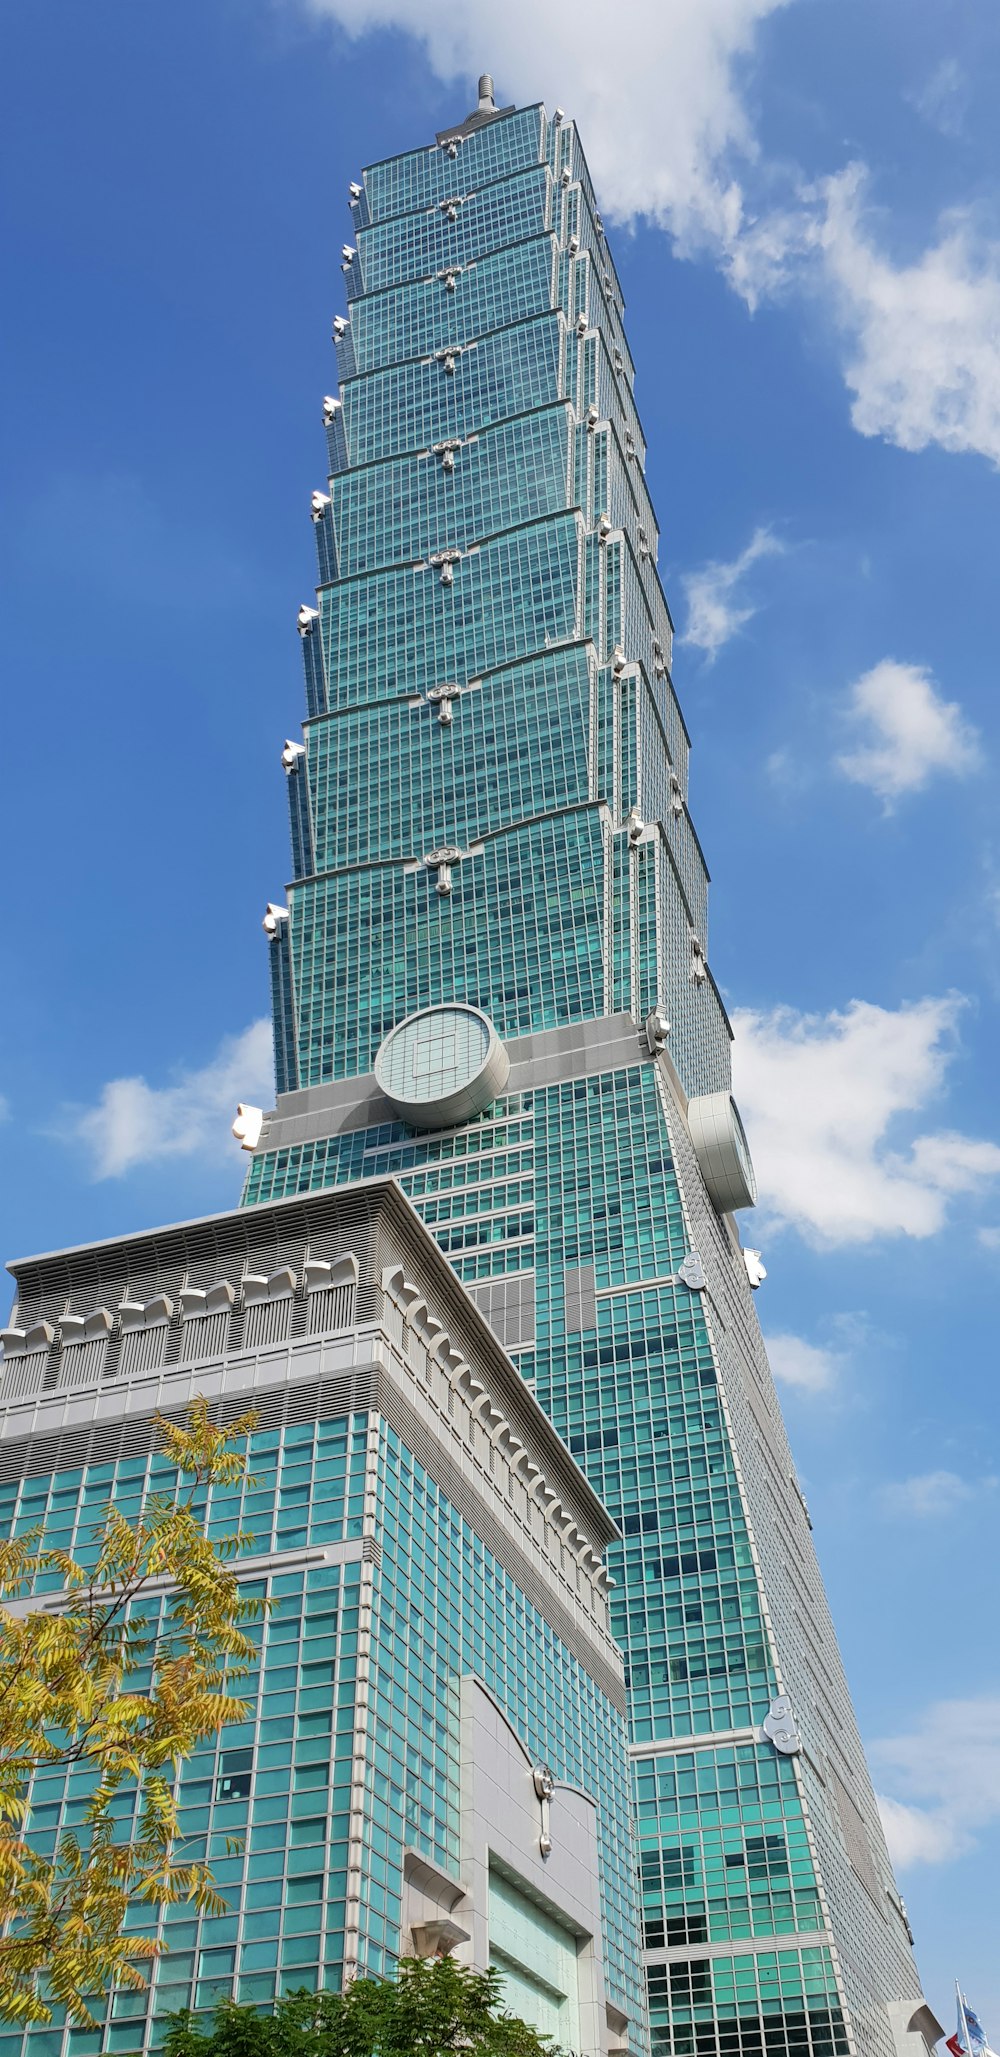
(487, 110)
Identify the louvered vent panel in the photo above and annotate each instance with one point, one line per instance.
(267, 1321)
(856, 1837)
(331, 1307)
(22, 1375)
(81, 1363)
(142, 1350)
(204, 1336)
(320, 1400)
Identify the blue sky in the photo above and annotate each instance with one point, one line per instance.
(804, 206)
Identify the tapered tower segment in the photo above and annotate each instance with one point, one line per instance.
(492, 981)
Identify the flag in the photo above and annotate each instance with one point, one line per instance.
(970, 2039)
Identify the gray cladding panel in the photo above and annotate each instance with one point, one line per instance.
(581, 1299)
(509, 1306)
(580, 1050)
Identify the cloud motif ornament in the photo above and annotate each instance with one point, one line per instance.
(756, 1271)
(247, 1126)
(692, 1272)
(779, 1727)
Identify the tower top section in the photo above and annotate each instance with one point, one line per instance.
(487, 110)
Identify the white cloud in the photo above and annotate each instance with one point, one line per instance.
(943, 99)
(915, 1836)
(923, 362)
(822, 1095)
(135, 1123)
(795, 1362)
(655, 88)
(917, 334)
(953, 1163)
(932, 1494)
(945, 1780)
(989, 1238)
(658, 93)
(716, 608)
(911, 731)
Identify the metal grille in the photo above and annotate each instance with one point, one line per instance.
(142, 1349)
(509, 1307)
(82, 1363)
(331, 1307)
(581, 1305)
(108, 1443)
(201, 1254)
(267, 1321)
(204, 1336)
(855, 1836)
(22, 1375)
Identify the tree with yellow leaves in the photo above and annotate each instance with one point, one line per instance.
(84, 1683)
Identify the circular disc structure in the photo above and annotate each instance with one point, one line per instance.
(722, 1151)
(442, 1066)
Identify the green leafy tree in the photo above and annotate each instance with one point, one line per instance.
(88, 1686)
(434, 2008)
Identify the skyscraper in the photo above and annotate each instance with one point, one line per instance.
(491, 979)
